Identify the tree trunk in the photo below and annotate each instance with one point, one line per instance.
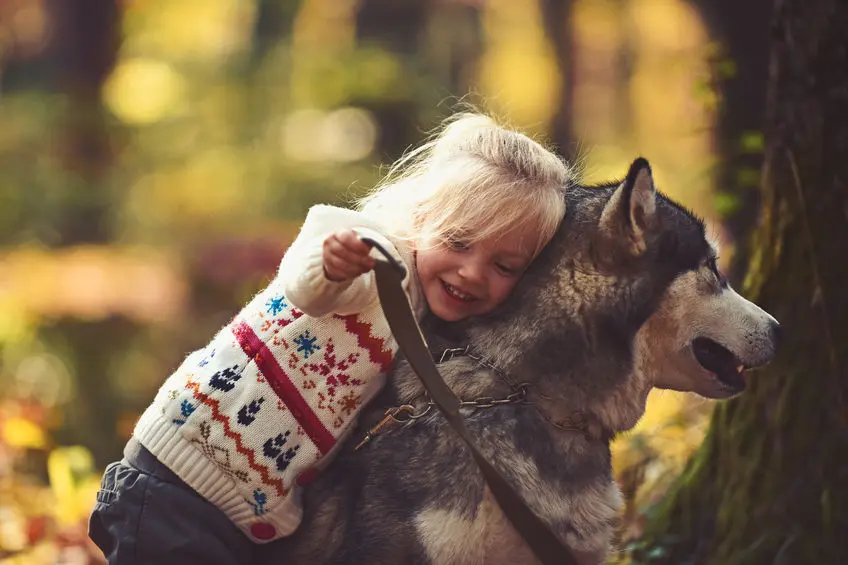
(84, 50)
(770, 483)
(438, 44)
(274, 22)
(740, 71)
(558, 19)
(397, 27)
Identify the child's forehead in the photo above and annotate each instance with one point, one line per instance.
(503, 220)
(518, 227)
(519, 240)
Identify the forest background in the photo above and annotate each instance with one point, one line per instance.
(158, 156)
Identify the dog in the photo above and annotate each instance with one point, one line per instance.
(626, 297)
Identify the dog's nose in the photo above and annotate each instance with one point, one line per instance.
(776, 333)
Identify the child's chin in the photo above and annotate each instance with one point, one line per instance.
(448, 315)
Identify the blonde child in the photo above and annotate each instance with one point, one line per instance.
(217, 461)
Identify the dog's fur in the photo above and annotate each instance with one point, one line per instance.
(610, 309)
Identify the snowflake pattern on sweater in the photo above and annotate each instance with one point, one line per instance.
(273, 394)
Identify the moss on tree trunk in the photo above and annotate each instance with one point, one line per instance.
(770, 482)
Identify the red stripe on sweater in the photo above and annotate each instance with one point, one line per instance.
(216, 414)
(288, 392)
(374, 345)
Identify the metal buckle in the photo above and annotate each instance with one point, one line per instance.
(403, 414)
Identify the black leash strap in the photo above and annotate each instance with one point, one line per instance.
(389, 274)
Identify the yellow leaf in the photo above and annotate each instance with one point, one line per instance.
(20, 432)
(70, 470)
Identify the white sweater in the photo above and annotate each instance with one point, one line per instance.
(253, 415)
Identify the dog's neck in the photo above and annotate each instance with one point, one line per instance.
(564, 383)
(442, 335)
(576, 363)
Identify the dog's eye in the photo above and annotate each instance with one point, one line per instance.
(713, 266)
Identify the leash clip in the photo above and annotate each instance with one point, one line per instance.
(403, 415)
(392, 417)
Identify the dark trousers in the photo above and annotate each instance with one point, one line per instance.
(145, 515)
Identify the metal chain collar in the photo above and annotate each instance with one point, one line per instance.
(406, 414)
(466, 351)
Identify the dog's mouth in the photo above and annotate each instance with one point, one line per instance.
(718, 360)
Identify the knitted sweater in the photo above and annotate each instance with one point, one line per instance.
(252, 416)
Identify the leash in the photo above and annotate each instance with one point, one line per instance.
(389, 274)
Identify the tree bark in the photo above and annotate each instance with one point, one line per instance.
(770, 483)
(740, 71)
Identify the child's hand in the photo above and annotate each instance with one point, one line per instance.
(346, 256)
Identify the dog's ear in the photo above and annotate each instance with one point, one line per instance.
(631, 212)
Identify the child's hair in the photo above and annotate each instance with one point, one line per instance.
(473, 180)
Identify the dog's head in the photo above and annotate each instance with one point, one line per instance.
(699, 335)
(626, 297)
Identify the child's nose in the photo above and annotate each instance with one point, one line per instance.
(472, 272)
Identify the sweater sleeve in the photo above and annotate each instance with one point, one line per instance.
(303, 277)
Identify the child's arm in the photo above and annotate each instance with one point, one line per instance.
(306, 281)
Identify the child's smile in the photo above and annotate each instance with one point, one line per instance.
(461, 280)
(457, 293)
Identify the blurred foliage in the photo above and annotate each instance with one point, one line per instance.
(221, 122)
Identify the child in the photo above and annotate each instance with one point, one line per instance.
(216, 462)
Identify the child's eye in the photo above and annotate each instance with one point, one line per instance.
(506, 270)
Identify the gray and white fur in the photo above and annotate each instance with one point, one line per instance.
(626, 297)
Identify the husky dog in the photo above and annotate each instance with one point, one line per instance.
(626, 297)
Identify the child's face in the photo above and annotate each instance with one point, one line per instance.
(462, 280)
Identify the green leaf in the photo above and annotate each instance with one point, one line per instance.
(726, 203)
(752, 142)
